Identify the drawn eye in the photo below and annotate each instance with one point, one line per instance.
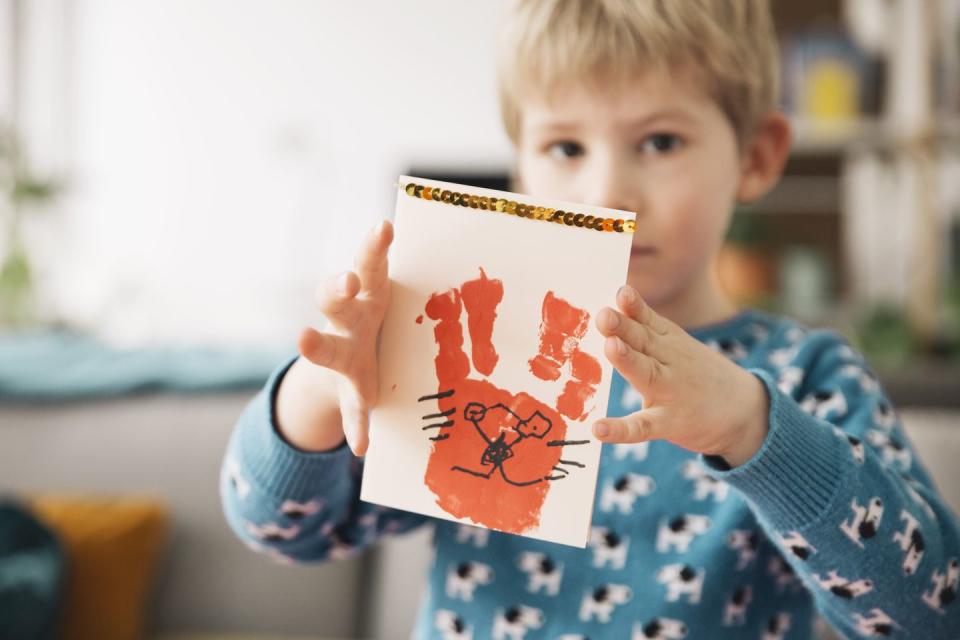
(474, 412)
(536, 426)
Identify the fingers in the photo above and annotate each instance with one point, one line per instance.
(640, 370)
(356, 395)
(371, 260)
(636, 335)
(636, 307)
(640, 426)
(355, 415)
(326, 350)
(335, 298)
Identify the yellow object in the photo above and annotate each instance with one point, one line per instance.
(112, 546)
(831, 91)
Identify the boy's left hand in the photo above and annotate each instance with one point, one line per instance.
(693, 396)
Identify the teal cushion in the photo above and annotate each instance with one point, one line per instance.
(31, 575)
(55, 364)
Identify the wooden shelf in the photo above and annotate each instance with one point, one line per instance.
(818, 195)
(811, 138)
(925, 384)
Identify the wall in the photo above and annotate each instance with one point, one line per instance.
(223, 156)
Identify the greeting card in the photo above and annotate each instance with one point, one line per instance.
(491, 367)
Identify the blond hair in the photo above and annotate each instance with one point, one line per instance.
(731, 44)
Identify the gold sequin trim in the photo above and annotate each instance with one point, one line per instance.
(501, 205)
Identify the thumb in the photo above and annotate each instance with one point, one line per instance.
(639, 426)
(355, 415)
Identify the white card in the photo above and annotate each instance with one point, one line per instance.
(491, 367)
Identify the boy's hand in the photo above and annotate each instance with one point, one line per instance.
(354, 304)
(693, 396)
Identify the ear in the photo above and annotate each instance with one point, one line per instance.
(764, 156)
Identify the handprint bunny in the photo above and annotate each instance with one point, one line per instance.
(495, 451)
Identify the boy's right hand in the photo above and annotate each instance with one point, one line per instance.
(354, 303)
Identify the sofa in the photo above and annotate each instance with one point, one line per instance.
(167, 448)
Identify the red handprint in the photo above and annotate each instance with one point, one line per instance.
(496, 451)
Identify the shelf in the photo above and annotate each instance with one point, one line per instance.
(922, 384)
(811, 138)
(802, 194)
(835, 137)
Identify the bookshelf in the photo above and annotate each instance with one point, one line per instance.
(870, 171)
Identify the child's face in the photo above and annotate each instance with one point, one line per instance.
(661, 148)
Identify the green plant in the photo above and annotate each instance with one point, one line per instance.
(885, 337)
(20, 192)
(748, 228)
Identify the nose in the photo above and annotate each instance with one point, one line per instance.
(611, 184)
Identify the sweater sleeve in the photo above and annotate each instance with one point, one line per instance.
(839, 489)
(293, 505)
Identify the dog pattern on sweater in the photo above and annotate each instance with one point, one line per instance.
(674, 551)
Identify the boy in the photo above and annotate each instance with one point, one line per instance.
(666, 109)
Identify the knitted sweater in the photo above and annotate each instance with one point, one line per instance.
(834, 514)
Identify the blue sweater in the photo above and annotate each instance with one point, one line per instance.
(834, 514)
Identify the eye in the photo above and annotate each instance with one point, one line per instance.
(565, 149)
(659, 143)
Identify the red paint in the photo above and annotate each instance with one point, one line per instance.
(481, 297)
(420, 319)
(575, 395)
(561, 329)
(493, 502)
(451, 362)
(585, 367)
(544, 369)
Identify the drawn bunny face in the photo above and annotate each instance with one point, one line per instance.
(496, 452)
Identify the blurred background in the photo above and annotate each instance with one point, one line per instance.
(176, 177)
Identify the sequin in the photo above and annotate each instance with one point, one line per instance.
(547, 214)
